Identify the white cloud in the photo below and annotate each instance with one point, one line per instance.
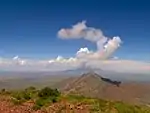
(80, 30)
(62, 64)
(16, 57)
(104, 46)
(83, 50)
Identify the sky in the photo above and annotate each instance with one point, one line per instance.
(29, 28)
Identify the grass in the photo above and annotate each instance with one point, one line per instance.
(103, 106)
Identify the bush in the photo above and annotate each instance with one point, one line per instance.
(54, 99)
(40, 102)
(20, 97)
(48, 92)
(26, 96)
(46, 96)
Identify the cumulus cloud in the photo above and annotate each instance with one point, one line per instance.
(80, 30)
(105, 46)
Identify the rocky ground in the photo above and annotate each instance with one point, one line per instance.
(6, 106)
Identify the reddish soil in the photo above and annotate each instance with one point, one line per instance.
(6, 106)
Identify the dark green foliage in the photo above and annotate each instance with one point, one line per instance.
(26, 95)
(54, 99)
(45, 97)
(48, 92)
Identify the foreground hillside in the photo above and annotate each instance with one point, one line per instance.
(49, 100)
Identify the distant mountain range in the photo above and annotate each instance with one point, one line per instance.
(109, 74)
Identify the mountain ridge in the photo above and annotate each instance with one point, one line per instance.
(92, 84)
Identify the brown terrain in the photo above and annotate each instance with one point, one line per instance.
(93, 85)
(6, 106)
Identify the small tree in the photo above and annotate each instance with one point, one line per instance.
(48, 92)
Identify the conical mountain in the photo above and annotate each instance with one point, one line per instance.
(89, 83)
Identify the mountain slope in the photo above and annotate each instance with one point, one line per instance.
(94, 85)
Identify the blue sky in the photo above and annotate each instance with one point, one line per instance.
(28, 28)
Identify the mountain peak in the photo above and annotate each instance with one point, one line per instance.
(90, 73)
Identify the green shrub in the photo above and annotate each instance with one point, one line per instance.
(26, 96)
(48, 92)
(44, 101)
(21, 96)
(54, 99)
(40, 102)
